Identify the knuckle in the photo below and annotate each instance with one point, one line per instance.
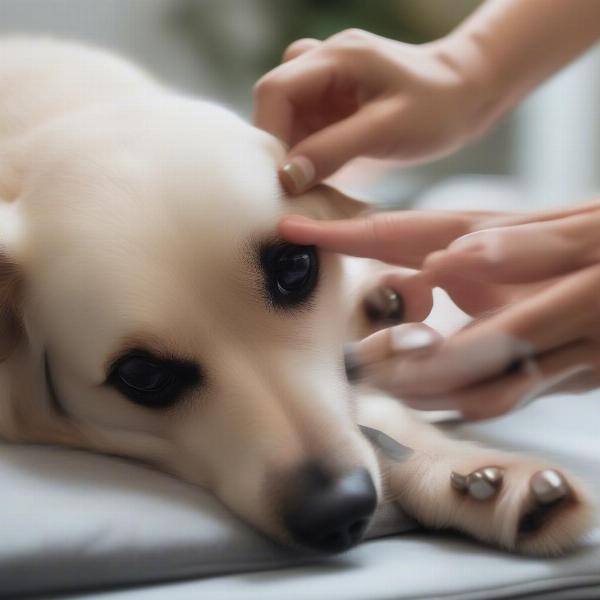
(265, 86)
(352, 34)
(297, 46)
(351, 42)
(291, 50)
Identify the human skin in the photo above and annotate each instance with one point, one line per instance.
(359, 94)
(541, 269)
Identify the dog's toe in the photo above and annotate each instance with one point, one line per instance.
(550, 492)
(522, 506)
(549, 486)
(481, 484)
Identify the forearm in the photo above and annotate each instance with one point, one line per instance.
(512, 46)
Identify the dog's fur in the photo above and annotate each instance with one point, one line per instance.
(131, 217)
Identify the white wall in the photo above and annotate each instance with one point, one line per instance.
(557, 143)
(140, 29)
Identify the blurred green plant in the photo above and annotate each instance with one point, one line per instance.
(322, 18)
(241, 39)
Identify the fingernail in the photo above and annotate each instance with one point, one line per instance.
(413, 336)
(297, 174)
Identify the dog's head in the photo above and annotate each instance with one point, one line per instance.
(150, 311)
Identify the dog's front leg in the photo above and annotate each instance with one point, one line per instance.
(512, 501)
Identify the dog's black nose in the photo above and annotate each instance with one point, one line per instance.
(327, 512)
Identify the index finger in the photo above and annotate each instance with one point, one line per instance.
(400, 237)
(292, 84)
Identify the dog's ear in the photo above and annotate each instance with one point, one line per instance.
(327, 202)
(10, 279)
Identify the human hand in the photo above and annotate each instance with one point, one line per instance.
(541, 270)
(359, 94)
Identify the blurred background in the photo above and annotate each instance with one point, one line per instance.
(545, 153)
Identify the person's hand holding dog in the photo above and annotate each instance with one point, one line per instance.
(544, 271)
(357, 94)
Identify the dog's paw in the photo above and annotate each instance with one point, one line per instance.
(522, 506)
(556, 512)
(509, 501)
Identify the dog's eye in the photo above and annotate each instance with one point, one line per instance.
(144, 375)
(291, 273)
(150, 381)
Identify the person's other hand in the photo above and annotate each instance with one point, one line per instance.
(358, 94)
(541, 270)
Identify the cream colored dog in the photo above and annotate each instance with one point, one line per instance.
(149, 310)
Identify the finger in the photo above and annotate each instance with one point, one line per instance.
(396, 297)
(558, 315)
(415, 291)
(477, 298)
(277, 94)
(394, 342)
(450, 365)
(568, 369)
(523, 253)
(561, 313)
(363, 133)
(299, 47)
(402, 238)
(502, 219)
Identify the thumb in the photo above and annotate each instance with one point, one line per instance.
(322, 153)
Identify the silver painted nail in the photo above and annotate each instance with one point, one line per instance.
(548, 486)
(479, 488)
(484, 483)
(494, 475)
(384, 304)
(458, 481)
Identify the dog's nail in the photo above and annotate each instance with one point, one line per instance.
(481, 484)
(479, 488)
(548, 486)
(384, 304)
(494, 475)
(484, 483)
(458, 481)
(297, 174)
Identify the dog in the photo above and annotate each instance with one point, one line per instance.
(150, 311)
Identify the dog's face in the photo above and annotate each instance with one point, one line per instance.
(162, 318)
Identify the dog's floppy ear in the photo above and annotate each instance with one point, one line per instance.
(10, 280)
(327, 202)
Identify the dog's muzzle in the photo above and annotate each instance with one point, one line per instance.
(329, 513)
